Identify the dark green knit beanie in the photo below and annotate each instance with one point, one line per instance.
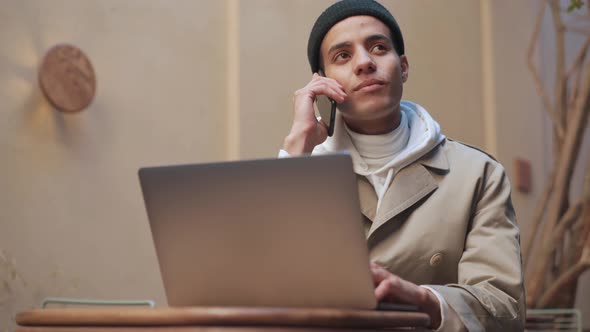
(344, 9)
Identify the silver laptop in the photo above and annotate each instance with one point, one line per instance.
(274, 232)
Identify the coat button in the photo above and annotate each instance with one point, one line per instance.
(436, 259)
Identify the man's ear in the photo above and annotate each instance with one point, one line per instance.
(405, 65)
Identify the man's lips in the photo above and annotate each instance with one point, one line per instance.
(370, 83)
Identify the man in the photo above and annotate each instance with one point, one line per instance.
(438, 214)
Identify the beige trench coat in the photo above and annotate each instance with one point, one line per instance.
(447, 221)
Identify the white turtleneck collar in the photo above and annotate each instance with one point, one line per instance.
(424, 135)
(377, 150)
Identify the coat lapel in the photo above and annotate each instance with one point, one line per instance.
(409, 186)
(367, 197)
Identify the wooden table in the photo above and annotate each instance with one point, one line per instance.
(200, 319)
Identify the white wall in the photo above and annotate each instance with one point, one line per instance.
(71, 213)
(72, 220)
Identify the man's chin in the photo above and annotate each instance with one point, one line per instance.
(368, 111)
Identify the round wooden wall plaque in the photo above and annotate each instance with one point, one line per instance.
(67, 78)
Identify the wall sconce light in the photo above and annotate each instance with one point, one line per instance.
(67, 78)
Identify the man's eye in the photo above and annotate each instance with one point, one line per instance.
(341, 56)
(380, 48)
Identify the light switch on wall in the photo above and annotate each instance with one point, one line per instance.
(523, 175)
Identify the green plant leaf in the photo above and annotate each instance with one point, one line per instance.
(575, 4)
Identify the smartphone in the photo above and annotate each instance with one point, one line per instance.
(326, 107)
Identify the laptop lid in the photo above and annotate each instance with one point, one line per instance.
(273, 232)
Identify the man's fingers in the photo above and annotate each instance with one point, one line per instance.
(407, 292)
(336, 95)
(331, 91)
(328, 87)
(379, 274)
(383, 291)
(374, 265)
(396, 290)
(306, 131)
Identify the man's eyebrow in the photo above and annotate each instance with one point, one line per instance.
(370, 39)
(378, 37)
(339, 46)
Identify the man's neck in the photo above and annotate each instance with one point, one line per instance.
(377, 126)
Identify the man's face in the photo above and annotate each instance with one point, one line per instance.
(358, 53)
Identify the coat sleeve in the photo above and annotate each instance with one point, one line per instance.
(489, 294)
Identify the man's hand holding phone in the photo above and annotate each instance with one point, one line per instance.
(307, 131)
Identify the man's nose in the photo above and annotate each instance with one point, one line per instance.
(364, 63)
